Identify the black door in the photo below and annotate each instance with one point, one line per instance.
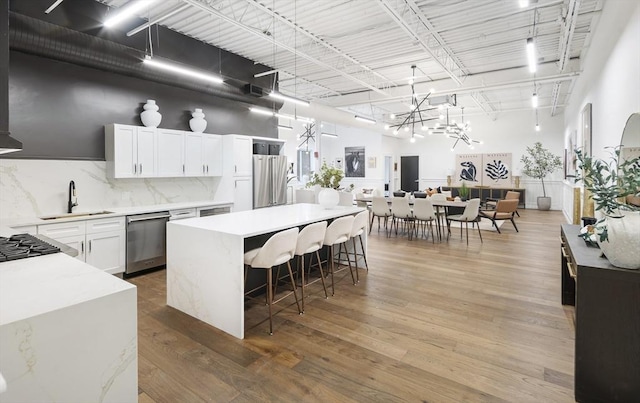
(409, 173)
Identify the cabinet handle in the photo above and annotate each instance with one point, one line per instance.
(182, 168)
(89, 246)
(135, 168)
(235, 168)
(203, 168)
(82, 246)
(140, 169)
(207, 168)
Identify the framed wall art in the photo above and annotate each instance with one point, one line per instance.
(586, 129)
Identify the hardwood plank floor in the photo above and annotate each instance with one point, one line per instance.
(442, 322)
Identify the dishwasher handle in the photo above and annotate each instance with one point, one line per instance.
(147, 217)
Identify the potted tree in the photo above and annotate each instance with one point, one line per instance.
(329, 180)
(610, 183)
(538, 163)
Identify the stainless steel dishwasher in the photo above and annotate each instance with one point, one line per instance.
(146, 241)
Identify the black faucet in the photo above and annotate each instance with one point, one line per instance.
(72, 192)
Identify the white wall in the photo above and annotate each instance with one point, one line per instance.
(511, 132)
(610, 80)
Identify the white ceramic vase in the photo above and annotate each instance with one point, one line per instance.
(328, 198)
(623, 247)
(197, 122)
(150, 116)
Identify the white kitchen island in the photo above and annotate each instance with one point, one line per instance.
(68, 332)
(205, 268)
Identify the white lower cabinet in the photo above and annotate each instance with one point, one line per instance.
(242, 194)
(100, 243)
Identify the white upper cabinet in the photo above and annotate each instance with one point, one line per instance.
(212, 154)
(203, 154)
(130, 151)
(242, 155)
(170, 154)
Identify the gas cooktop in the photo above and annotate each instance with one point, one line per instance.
(21, 246)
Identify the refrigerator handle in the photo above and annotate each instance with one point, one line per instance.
(271, 184)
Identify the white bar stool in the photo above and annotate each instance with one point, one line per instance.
(311, 239)
(277, 250)
(338, 232)
(360, 222)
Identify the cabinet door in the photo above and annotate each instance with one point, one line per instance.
(105, 251)
(125, 160)
(212, 154)
(242, 156)
(170, 153)
(146, 151)
(76, 242)
(242, 194)
(193, 151)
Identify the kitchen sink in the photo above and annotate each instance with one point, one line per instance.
(75, 215)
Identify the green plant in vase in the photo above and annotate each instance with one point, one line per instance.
(463, 192)
(329, 180)
(610, 182)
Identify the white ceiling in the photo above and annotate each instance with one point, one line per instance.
(357, 54)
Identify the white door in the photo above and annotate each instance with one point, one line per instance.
(242, 194)
(146, 151)
(106, 251)
(242, 156)
(212, 154)
(193, 150)
(170, 153)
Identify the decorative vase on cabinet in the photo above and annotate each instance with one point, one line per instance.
(197, 123)
(623, 245)
(150, 116)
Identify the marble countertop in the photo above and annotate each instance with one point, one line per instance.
(115, 212)
(265, 220)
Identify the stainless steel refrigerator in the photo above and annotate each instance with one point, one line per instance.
(269, 180)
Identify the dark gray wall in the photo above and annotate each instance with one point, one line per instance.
(59, 109)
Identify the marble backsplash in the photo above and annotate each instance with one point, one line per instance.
(32, 188)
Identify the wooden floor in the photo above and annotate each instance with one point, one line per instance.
(430, 323)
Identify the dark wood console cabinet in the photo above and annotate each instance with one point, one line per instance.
(484, 193)
(607, 301)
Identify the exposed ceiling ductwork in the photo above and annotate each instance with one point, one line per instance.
(30, 35)
(7, 143)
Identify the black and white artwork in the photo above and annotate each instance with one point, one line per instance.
(354, 162)
(468, 169)
(496, 169)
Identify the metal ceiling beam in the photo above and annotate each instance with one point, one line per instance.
(568, 28)
(412, 20)
(555, 96)
(319, 42)
(282, 45)
(157, 20)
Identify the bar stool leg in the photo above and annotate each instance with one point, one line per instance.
(364, 255)
(302, 279)
(293, 287)
(332, 266)
(270, 298)
(321, 274)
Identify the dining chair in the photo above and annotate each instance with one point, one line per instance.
(278, 249)
(491, 203)
(310, 240)
(380, 208)
(470, 214)
(400, 211)
(505, 210)
(337, 234)
(424, 214)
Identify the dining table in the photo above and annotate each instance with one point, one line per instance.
(437, 204)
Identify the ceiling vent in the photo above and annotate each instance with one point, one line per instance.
(446, 100)
(254, 90)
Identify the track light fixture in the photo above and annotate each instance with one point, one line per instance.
(126, 12)
(366, 120)
(531, 55)
(154, 62)
(298, 101)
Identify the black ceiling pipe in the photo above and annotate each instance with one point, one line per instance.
(30, 35)
(7, 143)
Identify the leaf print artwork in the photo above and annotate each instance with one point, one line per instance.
(468, 173)
(497, 170)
